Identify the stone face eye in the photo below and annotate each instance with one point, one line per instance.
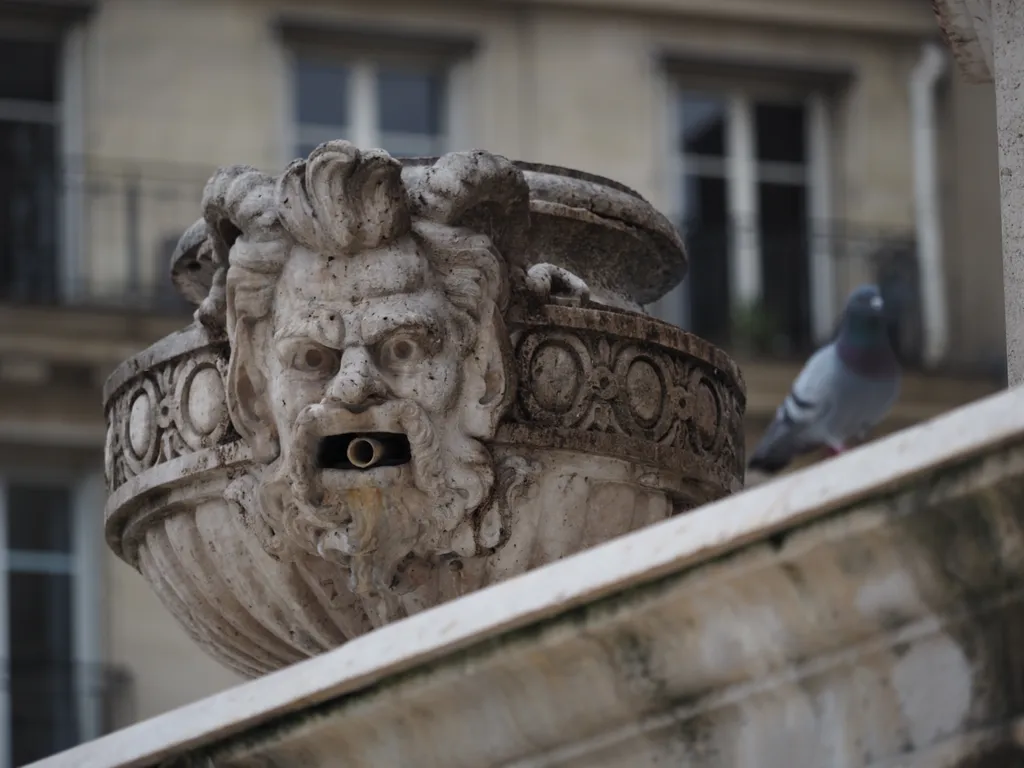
(313, 358)
(403, 349)
(400, 351)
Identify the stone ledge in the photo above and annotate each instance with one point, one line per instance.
(874, 599)
(898, 18)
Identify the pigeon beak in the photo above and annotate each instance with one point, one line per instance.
(877, 304)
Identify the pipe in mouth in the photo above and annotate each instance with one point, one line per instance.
(353, 451)
(364, 452)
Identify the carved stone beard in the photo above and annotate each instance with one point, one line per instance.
(372, 529)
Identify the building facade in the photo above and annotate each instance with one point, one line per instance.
(803, 146)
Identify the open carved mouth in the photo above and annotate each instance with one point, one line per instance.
(363, 450)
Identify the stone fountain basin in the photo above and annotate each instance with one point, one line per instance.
(620, 421)
(627, 252)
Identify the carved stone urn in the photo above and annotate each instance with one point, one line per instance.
(405, 382)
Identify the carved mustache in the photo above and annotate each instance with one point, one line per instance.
(405, 422)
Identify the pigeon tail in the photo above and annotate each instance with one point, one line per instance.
(769, 464)
(779, 446)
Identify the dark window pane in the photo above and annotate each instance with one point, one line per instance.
(410, 102)
(707, 240)
(28, 212)
(38, 518)
(781, 132)
(702, 124)
(321, 92)
(42, 678)
(412, 146)
(785, 270)
(28, 70)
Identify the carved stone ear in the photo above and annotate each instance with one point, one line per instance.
(247, 397)
(490, 380)
(192, 264)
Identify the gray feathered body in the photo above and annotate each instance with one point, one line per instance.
(845, 390)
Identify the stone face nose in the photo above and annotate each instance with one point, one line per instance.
(357, 384)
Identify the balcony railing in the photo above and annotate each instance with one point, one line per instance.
(794, 307)
(100, 234)
(95, 234)
(56, 705)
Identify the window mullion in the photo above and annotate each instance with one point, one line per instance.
(71, 205)
(744, 246)
(5, 655)
(91, 683)
(363, 105)
(819, 211)
(674, 306)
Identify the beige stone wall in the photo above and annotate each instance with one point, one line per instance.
(167, 668)
(973, 222)
(200, 83)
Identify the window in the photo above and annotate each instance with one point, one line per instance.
(46, 703)
(29, 218)
(400, 106)
(752, 204)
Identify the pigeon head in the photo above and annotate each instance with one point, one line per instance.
(863, 342)
(864, 317)
(866, 302)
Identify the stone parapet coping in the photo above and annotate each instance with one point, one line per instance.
(566, 664)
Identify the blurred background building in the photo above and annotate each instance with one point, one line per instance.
(803, 146)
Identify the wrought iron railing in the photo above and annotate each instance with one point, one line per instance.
(780, 322)
(100, 234)
(95, 233)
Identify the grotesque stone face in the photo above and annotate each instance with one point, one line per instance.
(359, 333)
(369, 359)
(365, 368)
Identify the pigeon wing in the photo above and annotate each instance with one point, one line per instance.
(794, 430)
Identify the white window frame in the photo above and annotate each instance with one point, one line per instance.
(71, 101)
(742, 172)
(362, 107)
(66, 114)
(87, 495)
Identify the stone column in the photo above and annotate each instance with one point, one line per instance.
(987, 38)
(1007, 27)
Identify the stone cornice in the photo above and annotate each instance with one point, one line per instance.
(902, 18)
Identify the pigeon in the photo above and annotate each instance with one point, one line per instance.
(844, 390)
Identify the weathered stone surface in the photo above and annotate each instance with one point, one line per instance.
(397, 393)
(966, 28)
(864, 612)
